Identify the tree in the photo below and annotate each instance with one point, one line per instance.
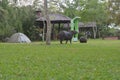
(88, 10)
(114, 11)
(70, 8)
(5, 28)
(53, 6)
(15, 19)
(38, 4)
(48, 35)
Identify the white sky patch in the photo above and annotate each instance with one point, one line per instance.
(22, 2)
(25, 2)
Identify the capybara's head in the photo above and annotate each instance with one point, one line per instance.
(74, 32)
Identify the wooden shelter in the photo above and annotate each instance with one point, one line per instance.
(55, 19)
(62, 22)
(89, 26)
(58, 19)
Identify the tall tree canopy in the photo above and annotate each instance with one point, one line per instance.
(88, 10)
(114, 11)
(14, 18)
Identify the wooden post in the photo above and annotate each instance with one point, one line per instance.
(53, 31)
(44, 26)
(68, 25)
(58, 27)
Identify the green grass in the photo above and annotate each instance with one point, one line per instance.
(95, 60)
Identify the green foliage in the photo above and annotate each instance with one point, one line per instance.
(103, 31)
(15, 19)
(107, 32)
(94, 11)
(71, 8)
(88, 10)
(28, 21)
(96, 60)
(81, 34)
(112, 32)
(5, 28)
(118, 34)
(114, 11)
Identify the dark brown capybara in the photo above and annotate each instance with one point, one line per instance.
(83, 40)
(66, 35)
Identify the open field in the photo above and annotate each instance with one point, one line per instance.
(95, 60)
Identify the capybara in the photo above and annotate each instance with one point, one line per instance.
(83, 40)
(66, 35)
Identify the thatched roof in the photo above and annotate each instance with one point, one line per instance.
(55, 18)
(83, 25)
(88, 24)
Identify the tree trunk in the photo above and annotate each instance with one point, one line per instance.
(48, 35)
(94, 32)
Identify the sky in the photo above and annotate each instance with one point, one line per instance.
(25, 2)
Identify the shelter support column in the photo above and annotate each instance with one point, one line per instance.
(58, 27)
(68, 26)
(52, 32)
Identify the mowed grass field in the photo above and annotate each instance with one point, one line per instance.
(95, 60)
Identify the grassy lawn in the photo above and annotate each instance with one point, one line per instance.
(95, 60)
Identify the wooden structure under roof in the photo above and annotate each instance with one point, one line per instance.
(83, 27)
(89, 26)
(62, 21)
(58, 19)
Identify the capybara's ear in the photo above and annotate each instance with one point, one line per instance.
(74, 32)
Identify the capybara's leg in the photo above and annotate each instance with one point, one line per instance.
(66, 41)
(60, 41)
(70, 41)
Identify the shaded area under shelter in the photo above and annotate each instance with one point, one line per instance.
(89, 26)
(84, 27)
